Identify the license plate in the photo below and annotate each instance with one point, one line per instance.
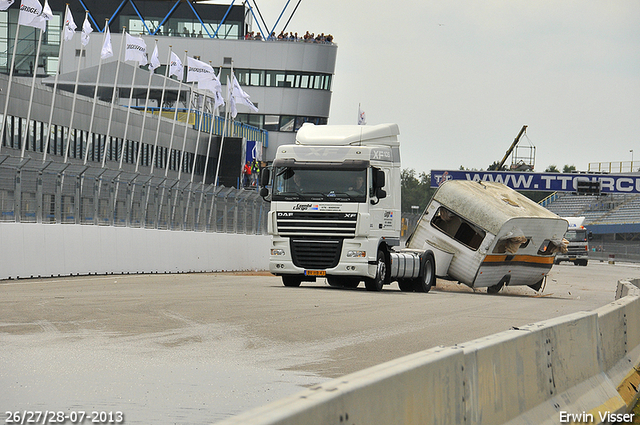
(315, 273)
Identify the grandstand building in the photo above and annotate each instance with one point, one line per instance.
(614, 220)
(289, 81)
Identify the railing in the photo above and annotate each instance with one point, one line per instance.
(58, 193)
(615, 167)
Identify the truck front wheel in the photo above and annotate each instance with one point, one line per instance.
(375, 283)
(291, 281)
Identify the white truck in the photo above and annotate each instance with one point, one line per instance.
(578, 237)
(335, 209)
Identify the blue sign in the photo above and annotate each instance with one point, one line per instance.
(548, 182)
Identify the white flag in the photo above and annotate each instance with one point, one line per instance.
(136, 50)
(86, 30)
(30, 10)
(232, 102)
(4, 4)
(362, 119)
(41, 20)
(176, 68)
(198, 70)
(107, 49)
(155, 60)
(214, 86)
(69, 25)
(240, 96)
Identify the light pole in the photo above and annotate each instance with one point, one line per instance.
(631, 150)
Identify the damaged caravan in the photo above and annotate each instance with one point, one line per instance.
(485, 234)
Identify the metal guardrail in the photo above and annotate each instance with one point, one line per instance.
(58, 193)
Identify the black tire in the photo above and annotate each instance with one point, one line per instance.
(351, 282)
(334, 281)
(584, 263)
(406, 285)
(427, 278)
(343, 282)
(291, 281)
(536, 287)
(375, 284)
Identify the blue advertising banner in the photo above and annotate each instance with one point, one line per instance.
(549, 182)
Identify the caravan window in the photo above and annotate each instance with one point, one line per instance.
(458, 228)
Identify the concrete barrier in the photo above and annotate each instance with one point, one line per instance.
(422, 388)
(33, 250)
(583, 367)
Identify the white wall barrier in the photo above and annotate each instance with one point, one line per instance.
(32, 250)
(583, 367)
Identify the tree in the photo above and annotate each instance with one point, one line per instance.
(415, 190)
(552, 169)
(569, 169)
(494, 167)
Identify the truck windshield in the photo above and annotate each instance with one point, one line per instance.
(320, 184)
(576, 235)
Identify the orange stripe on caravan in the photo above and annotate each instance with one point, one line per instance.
(518, 259)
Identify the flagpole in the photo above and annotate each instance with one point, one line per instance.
(164, 87)
(144, 116)
(195, 152)
(182, 157)
(55, 88)
(186, 127)
(126, 125)
(33, 86)
(95, 94)
(75, 96)
(200, 122)
(206, 161)
(175, 118)
(113, 100)
(224, 127)
(6, 101)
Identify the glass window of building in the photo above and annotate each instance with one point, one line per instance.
(271, 122)
(257, 78)
(287, 123)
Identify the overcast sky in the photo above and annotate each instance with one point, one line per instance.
(462, 77)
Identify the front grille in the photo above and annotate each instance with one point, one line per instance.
(331, 224)
(316, 254)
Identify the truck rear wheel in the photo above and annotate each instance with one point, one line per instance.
(291, 281)
(428, 277)
(406, 285)
(375, 284)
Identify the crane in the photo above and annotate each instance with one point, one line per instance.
(513, 145)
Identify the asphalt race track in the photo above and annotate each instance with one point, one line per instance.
(196, 348)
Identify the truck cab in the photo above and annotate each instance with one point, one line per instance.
(335, 205)
(578, 237)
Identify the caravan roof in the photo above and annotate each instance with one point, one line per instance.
(487, 204)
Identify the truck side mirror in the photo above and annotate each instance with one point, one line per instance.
(378, 178)
(381, 193)
(265, 176)
(264, 192)
(589, 236)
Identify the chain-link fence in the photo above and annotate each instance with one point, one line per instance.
(32, 192)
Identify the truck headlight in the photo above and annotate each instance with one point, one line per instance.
(356, 254)
(276, 251)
